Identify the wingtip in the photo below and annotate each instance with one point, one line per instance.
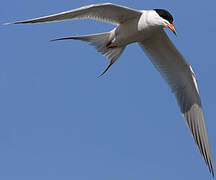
(11, 23)
(6, 24)
(211, 168)
(212, 171)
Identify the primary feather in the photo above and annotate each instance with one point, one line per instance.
(105, 12)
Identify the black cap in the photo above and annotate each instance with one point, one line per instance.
(165, 15)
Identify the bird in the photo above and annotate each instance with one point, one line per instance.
(145, 27)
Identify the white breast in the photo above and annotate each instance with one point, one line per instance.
(134, 30)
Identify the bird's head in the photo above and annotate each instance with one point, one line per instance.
(165, 19)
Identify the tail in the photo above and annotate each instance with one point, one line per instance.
(101, 42)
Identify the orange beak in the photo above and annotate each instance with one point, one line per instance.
(172, 28)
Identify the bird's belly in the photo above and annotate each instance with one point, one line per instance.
(129, 33)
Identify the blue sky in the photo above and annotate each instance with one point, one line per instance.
(59, 121)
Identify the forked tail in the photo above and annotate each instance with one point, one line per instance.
(101, 42)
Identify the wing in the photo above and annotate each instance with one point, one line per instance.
(105, 12)
(180, 77)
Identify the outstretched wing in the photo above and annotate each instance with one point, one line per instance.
(105, 12)
(180, 77)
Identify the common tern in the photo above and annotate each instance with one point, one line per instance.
(146, 28)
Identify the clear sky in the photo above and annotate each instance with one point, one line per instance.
(59, 121)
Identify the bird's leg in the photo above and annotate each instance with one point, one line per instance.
(109, 45)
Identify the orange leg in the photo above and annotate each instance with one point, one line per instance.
(109, 45)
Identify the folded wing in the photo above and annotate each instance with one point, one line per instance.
(180, 77)
(105, 12)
